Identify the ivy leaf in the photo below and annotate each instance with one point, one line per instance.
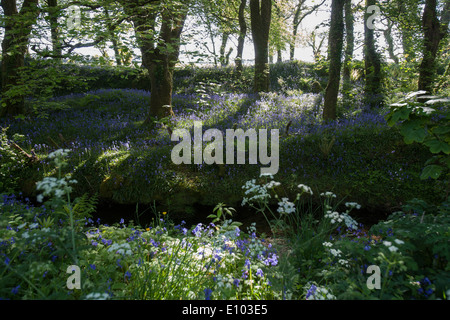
(432, 171)
(437, 146)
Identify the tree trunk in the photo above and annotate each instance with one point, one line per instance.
(162, 64)
(54, 29)
(113, 38)
(349, 49)
(223, 47)
(335, 44)
(161, 80)
(159, 52)
(298, 18)
(372, 60)
(434, 32)
(241, 39)
(18, 27)
(279, 56)
(390, 42)
(295, 25)
(260, 11)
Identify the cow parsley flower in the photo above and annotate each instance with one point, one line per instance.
(352, 205)
(305, 188)
(327, 244)
(328, 194)
(336, 252)
(97, 296)
(285, 206)
(393, 248)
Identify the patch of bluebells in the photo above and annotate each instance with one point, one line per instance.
(425, 289)
(120, 109)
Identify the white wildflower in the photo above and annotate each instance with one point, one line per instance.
(336, 252)
(344, 262)
(353, 205)
(272, 184)
(39, 198)
(59, 153)
(124, 249)
(97, 296)
(328, 194)
(285, 206)
(350, 222)
(393, 248)
(305, 188)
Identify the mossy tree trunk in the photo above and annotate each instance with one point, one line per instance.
(390, 42)
(160, 49)
(335, 45)
(349, 49)
(434, 32)
(373, 92)
(261, 14)
(241, 38)
(54, 13)
(18, 25)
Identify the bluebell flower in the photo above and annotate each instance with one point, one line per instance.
(208, 293)
(259, 273)
(425, 281)
(197, 230)
(15, 290)
(311, 291)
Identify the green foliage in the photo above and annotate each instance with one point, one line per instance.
(425, 229)
(122, 261)
(10, 162)
(428, 124)
(220, 214)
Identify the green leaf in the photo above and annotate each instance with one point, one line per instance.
(399, 114)
(118, 286)
(441, 130)
(425, 110)
(431, 171)
(413, 132)
(414, 94)
(437, 146)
